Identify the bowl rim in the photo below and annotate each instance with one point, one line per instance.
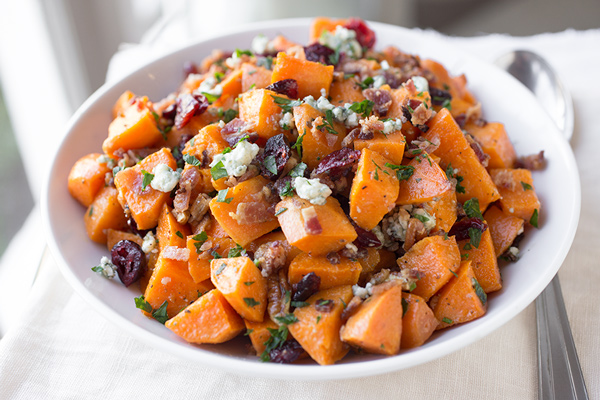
(269, 370)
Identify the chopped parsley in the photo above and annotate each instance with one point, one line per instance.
(250, 302)
(280, 211)
(403, 172)
(288, 190)
(534, 219)
(318, 318)
(298, 170)
(364, 107)
(199, 240)
(211, 97)
(276, 339)
(270, 164)
(221, 267)
(91, 211)
(239, 53)
(266, 62)
(404, 306)
(298, 144)
(179, 234)
(147, 179)
(287, 319)
(471, 208)
(160, 314)
(447, 104)
(286, 104)
(450, 174)
(248, 332)
(447, 320)
(192, 160)
(368, 81)
(475, 235)
(222, 196)
(421, 218)
(526, 186)
(218, 171)
(237, 251)
(479, 291)
(299, 304)
(328, 123)
(248, 283)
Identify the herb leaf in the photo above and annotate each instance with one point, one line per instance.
(403, 172)
(218, 171)
(222, 196)
(250, 302)
(479, 291)
(237, 251)
(450, 174)
(199, 240)
(280, 211)
(211, 97)
(298, 144)
(526, 186)
(298, 170)
(286, 104)
(276, 340)
(447, 320)
(147, 179)
(475, 235)
(534, 219)
(471, 208)
(142, 304)
(287, 319)
(160, 314)
(368, 81)
(192, 160)
(270, 164)
(288, 190)
(364, 107)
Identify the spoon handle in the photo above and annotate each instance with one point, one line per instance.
(559, 372)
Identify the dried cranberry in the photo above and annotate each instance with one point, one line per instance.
(461, 228)
(276, 155)
(308, 285)
(364, 35)
(130, 261)
(461, 120)
(393, 78)
(170, 112)
(438, 96)
(287, 87)
(134, 228)
(235, 130)
(337, 163)
(365, 238)
(282, 184)
(187, 106)
(178, 155)
(382, 100)
(289, 352)
(317, 52)
(189, 68)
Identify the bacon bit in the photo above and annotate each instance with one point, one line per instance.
(311, 221)
(369, 126)
(505, 179)
(420, 115)
(254, 212)
(532, 162)
(409, 85)
(420, 143)
(382, 100)
(176, 253)
(351, 308)
(414, 232)
(474, 113)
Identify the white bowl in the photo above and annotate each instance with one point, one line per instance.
(503, 99)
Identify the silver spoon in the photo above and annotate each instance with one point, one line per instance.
(559, 372)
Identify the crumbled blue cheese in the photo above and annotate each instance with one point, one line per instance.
(342, 40)
(392, 125)
(165, 179)
(104, 159)
(514, 251)
(378, 81)
(341, 114)
(237, 160)
(261, 45)
(421, 83)
(384, 65)
(234, 61)
(312, 190)
(221, 124)
(287, 121)
(210, 85)
(427, 219)
(363, 292)
(395, 225)
(108, 268)
(150, 243)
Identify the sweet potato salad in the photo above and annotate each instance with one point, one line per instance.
(317, 199)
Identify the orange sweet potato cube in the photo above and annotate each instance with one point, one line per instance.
(145, 205)
(208, 141)
(255, 77)
(259, 110)
(311, 76)
(231, 89)
(244, 196)
(461, 299)
(436, 257)
(455, 150)
(504, 228)
(391, 146)
(377, 325)
(259, 333)
(242, 284)
(124, 101)
(444, 210)
(169, 232)
(428, 181)
(104, 213)
(517, 191)
(114, 236)
(86, 178)
(316, 143)
(495, 143)
(199, 261)
(134, 128)
(374, 190)
(336, 232)
(210, 319)
(483, 261)
(418, 322)
(346, 90)
(320, 24)
(319, 332)
(346, 272)
(171, 282)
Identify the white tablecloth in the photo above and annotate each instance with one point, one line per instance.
(61, 348)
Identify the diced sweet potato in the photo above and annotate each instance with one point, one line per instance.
(311, 76)
(208, 141)
(346, 272)
(391, 146)
(124, 101)
(461, 299)
(134, 128)
(316, 143)
(114, 236)
(210, 319)
(259, 110)
(436, 257)
(231, 89)
(483, 261)
(517, 191)
(199, 262)
(444, 210)
(254, 77)
(504, 228)
(248, 215)
(418, 322)
(336, 230)
(172, 282)
(455, 150)
(144, 205)
(86, 178)
(320, 24)
(427, 182)
(104, 213)
(377, 325)
(345, 91)
(400, 99)
(242, 284)
(461, 97)
(318, 332)
(259, 333)
(169, 232)
(495, 143)
(374, 190)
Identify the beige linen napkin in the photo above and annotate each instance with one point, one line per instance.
(63, 349)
